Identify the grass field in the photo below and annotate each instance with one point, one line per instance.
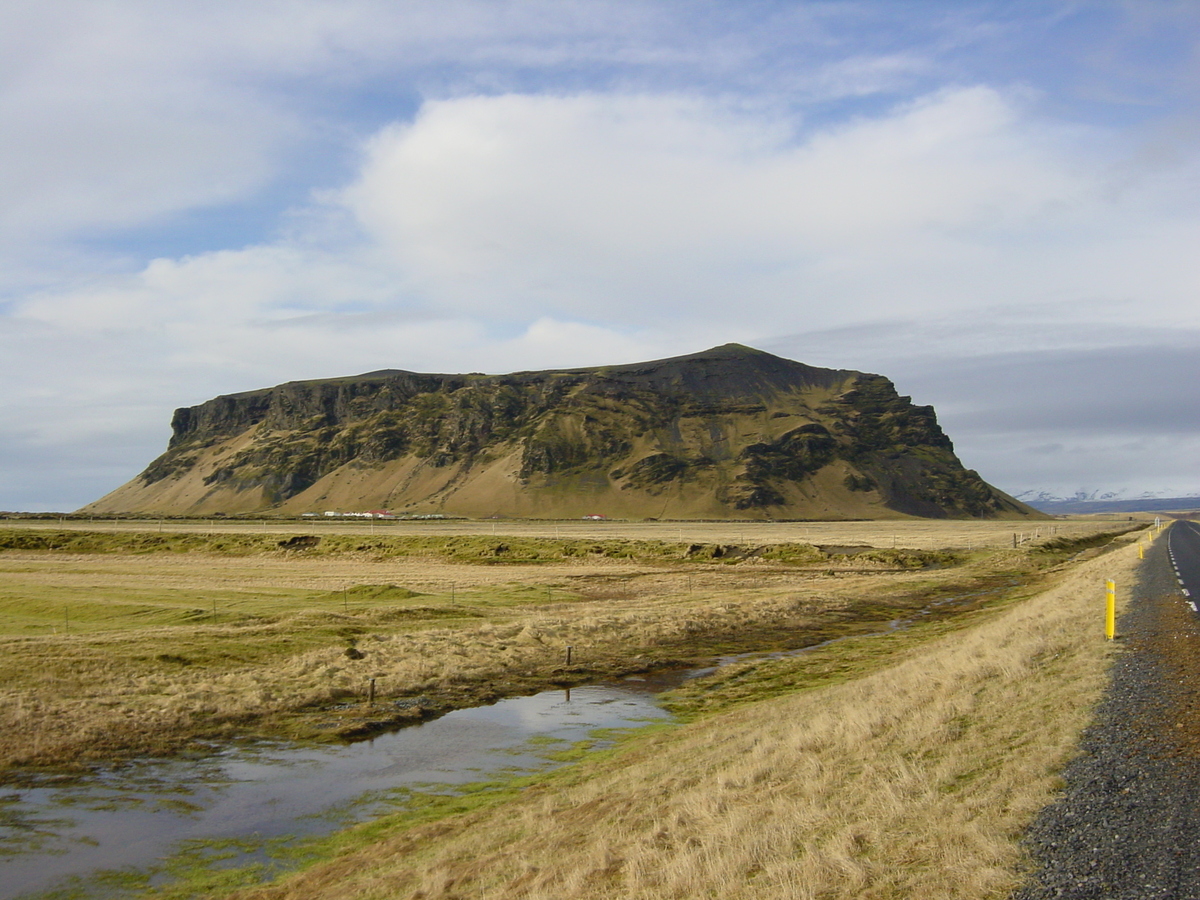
(892, 763)
(125, 641)
(928, 534)
(912, 773)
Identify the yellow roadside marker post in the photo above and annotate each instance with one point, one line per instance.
(1110, 611)
(1141, 551)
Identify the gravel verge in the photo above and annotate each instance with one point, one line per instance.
(1128, 824)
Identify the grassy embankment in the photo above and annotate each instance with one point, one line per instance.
(883, 767)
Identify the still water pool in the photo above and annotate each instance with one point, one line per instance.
(133, 816)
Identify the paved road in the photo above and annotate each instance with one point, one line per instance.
(1183, 544)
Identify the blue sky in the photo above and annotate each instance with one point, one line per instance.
(993, 204)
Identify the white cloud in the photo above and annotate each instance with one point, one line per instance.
(650, 207)
(860, 76)
(675, 219)
(636, 214)
(125, 113)
(107, 127)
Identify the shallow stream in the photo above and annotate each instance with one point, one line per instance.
(79, 835)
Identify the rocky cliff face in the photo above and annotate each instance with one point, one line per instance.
(728, 432)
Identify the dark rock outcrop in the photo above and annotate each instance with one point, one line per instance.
(730, 431)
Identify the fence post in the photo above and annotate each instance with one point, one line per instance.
(1110, 609)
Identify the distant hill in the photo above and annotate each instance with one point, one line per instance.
(730, 432)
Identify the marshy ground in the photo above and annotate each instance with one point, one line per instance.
(133, 640)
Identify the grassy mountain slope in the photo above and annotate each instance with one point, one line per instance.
(730, 432)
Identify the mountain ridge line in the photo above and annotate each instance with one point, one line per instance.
(729, 432)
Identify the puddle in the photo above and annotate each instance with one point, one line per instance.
(132, 817)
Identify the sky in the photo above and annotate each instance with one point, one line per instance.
(994, 204)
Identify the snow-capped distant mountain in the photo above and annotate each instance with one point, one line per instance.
(1035, 495)
(1098, 501)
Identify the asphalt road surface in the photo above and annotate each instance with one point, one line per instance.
(1183, 544)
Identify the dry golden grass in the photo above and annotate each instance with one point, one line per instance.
(926, 534)
(165, 647)
(913, 781)
(147, 665)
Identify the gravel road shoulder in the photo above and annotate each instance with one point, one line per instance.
(1128, 824)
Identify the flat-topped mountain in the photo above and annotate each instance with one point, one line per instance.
(730, 432)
